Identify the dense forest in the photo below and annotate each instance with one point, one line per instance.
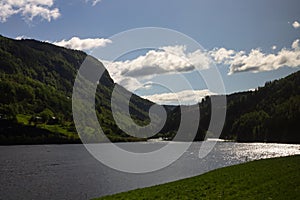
(36, 83)
(269, 114)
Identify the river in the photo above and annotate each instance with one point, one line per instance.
(70, 172)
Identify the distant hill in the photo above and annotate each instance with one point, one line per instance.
(268, 114)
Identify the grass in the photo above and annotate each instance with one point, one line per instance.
(23, 119)
(276, 178)
(55, 128)
(64, 131)
(58, 129)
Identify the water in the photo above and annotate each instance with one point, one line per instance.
(70, 172)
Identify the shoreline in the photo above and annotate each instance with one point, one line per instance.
(148, 141)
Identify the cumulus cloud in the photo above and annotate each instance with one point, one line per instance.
(182, 97)
(175, 59)
(295, 45)
(83, 44)
(220, 55)
(129, 83)
(166, 60)
(256, 60)
(296, 24)
(29, 9)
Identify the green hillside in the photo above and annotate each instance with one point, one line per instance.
(268, 114)
(36, 83)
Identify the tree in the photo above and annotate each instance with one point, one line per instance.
(251, 126)
(46, 114)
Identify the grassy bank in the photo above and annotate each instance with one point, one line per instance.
(277, 178)
(24, 132)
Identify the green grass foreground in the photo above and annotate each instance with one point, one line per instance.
(276, 178)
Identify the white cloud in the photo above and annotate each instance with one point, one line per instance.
(257, 61)
(174, 59)
(296, 24)
(94, 2)
(129, 83)
(29, 9)
(182, 97)
(83, 44)
(22, 37)
(253, 89)
(295, 45)
(221, 54)
(167, 60)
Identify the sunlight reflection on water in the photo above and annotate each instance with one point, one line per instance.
(255, 151)
(44, 169)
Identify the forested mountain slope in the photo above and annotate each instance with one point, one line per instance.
(269, 114)
(36, 84)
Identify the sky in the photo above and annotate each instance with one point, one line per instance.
(248, 42)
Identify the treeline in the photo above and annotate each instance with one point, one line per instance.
(268, 114)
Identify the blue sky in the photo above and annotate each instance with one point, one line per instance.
(267, 28)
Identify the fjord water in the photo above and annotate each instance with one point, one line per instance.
(70, 172)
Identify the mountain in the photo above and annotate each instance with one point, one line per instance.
(36, 84)
(269, 114)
